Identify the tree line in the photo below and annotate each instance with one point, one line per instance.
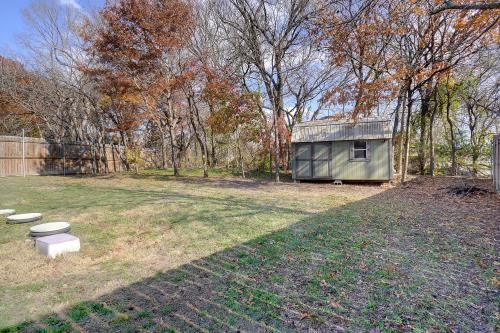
(181, 83)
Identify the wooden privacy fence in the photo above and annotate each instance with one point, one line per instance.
(33, 156)
(496, 161)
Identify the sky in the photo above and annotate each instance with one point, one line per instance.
(12, 23)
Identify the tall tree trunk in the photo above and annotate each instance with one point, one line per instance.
(474, 140)
(270, 161)
(122, 154)
(198, 132)
(241, 161)
(103, 157)
(102, 151)
(278, 97)
(171, 124)
(407, 132)
(401, 97)
(424, 111)
(288, 155)
(432, 162)
(475, 166)
(268, 137)
(401, 135)
(173, 144)
(204, 141)
(453, 142)
(212, 139)
(105, 154)
(276, 148)
(163, 149)
(240, 155)
(274, 93)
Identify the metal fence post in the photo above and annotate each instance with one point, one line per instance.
(94, 159)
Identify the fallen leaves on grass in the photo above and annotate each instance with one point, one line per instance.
(307, 315)
(334, 304)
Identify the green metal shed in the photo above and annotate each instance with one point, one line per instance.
(358, 151)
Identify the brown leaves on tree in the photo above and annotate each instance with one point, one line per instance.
(231, 108)
(384, 43)
(134, 46)
(137, 34)
(16, 111)
(361, 43)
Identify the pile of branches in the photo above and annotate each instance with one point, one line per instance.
(466, 190)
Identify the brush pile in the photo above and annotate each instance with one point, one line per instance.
(466, 190)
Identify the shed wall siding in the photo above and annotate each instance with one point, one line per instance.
(377, 168)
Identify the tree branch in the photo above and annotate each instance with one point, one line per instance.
(449, 5)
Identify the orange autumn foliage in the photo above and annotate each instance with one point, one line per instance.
(131, 48)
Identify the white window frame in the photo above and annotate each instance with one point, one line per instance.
(354, 149)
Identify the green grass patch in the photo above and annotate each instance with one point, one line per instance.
(56, 324)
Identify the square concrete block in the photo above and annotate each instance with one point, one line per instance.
(53, 245)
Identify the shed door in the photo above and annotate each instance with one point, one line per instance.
(313, 160)
(321, 160)
(303, 160)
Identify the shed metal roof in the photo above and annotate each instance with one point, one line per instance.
(329, 130)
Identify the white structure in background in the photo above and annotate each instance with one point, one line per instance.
(7, 212)
(24, 218)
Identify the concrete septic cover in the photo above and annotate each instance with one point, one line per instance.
(23, 218)
(7, 212)
(51, 228)
(54, 245)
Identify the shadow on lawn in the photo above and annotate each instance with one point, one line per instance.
(355, 267)
(120, 198)
(252, 180)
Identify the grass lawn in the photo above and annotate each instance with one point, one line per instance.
(227, 254)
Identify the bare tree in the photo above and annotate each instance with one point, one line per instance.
(267, 36)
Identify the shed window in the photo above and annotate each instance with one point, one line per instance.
(359, 150)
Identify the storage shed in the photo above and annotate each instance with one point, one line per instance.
(332, 150)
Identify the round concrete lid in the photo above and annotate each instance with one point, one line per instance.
(7, 212)
(22, 218)
(48, 227)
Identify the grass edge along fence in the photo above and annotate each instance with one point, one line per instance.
(25, 156)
